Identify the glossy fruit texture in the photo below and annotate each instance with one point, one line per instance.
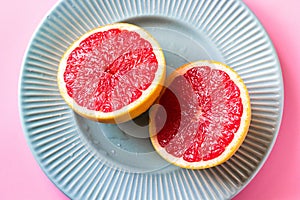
(203, 109)
(110, 69)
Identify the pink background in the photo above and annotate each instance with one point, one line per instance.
(22, 178)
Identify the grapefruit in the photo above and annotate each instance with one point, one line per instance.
(113, 73)
(201, 117)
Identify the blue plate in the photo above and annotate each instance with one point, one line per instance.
(89, 160)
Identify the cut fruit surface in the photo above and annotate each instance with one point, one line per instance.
(202, 116)
(113, 73)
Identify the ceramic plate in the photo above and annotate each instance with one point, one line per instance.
(89, 160)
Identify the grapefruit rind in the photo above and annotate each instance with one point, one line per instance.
(239, 136)
(135, 108)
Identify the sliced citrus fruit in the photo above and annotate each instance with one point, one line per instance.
(202, 116)
(112, 73)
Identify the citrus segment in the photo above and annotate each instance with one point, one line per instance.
(112, 73)
(207, 116)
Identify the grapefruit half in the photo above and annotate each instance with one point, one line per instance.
(202, 116)
(112, 73)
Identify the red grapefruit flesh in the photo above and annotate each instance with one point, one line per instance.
(113, 73)
(203, 115)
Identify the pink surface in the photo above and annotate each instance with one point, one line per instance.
(22, 178)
